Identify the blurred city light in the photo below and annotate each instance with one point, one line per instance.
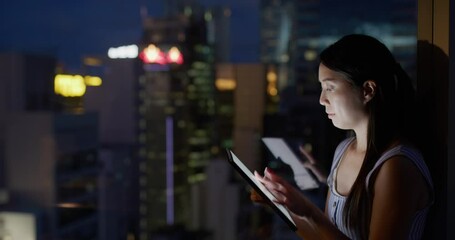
(153, 54)
(130, 51)
(225, 84)
(74, 85)
(175, 56)
(93, 81)
(69, 85)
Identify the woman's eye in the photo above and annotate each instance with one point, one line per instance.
(328, 89)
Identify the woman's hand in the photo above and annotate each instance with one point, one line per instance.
(311, 222)
(312, 165)
(284, 193)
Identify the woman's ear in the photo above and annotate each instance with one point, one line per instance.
(369, 90)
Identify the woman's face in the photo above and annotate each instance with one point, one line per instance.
(343, 102)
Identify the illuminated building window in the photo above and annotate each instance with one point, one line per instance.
(225, 84)
(143, 223)
(69, 86)
(151, 155)
(180, 102)
(284, 58)
(142, 94)
(181, 124)
(195, 155)
(142, 138)
(142, 124)
(197, 178)
(142, 152)
(143, 209)
(143, 236)
(310, 55)
(143, 195)
(92, 81)
(130, 51)
(188, 11)
(92, 61)
(211, 103)
(142, 110)
(142, 80)
(169, 110)
(143, 181)
(143, 167)
(208, 16)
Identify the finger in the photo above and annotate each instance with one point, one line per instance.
(270, 175)
(307, 155)
(276, 182)
(263, 180)
(274, 187)
(258, 176)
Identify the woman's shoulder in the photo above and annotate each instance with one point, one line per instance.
(400, 149)
(402, 157)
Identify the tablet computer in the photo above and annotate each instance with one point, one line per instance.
(246, 174)
(282, 151)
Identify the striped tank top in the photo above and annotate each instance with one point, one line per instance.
(336, 202)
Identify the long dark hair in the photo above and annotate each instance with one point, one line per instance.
(361, 58)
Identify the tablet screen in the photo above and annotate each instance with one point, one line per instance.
(282, 151)
(261, 189)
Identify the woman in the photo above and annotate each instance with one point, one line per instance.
(379, 185)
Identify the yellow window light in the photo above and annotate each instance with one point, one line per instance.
(271, 76)
(92, 61)
(272, 91)
(310, 55)
(69, 85)
(93, 81)
(225, 84)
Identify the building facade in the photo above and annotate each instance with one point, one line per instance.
(175, 122)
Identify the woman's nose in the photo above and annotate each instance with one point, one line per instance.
(322, 99)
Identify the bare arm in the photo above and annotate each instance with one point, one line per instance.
(311, 222)
(399, 191)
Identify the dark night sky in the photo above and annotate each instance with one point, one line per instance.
(71, 29)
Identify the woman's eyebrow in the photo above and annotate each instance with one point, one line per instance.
(328, 79)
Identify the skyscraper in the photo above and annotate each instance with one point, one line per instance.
(50, 157)
(175, 121)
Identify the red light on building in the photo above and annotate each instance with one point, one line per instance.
(153, 54)
(175, 56)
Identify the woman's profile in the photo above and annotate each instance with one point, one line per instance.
(379, 186)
